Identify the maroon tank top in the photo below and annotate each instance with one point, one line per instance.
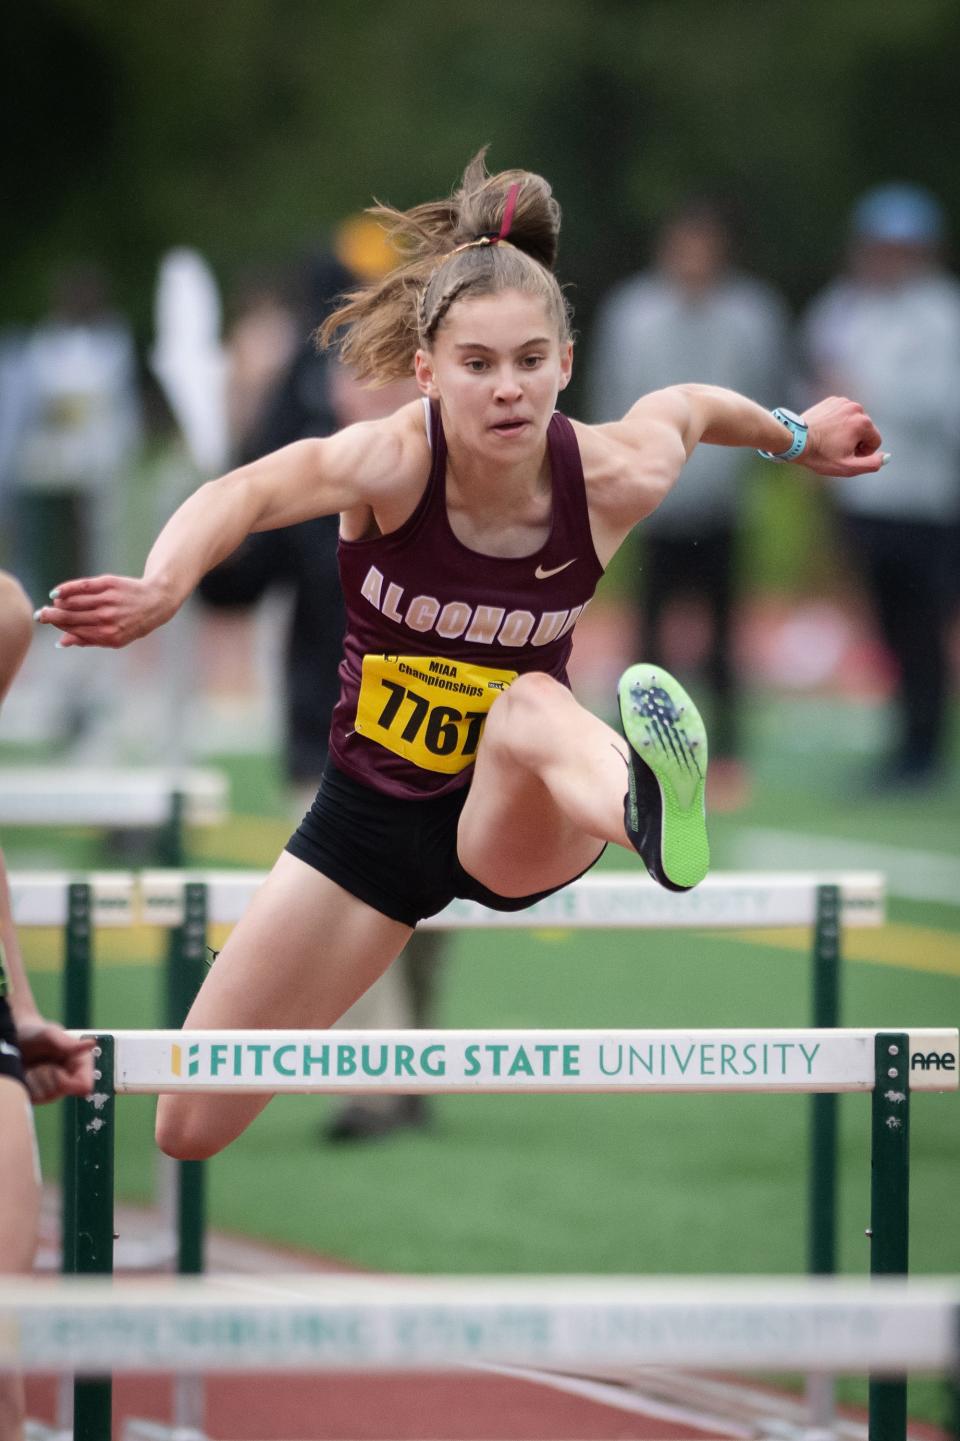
(424, 612)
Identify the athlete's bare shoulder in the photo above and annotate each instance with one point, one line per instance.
(16, 628)
(628, 467)
(404, 447)
(393, 456)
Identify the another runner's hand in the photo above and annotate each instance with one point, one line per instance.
(55, 1063)
(106, 610)
(843, 440)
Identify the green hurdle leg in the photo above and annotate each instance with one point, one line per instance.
(889, 1207)
(953, 1384)
(95, 1140)
(171, 842)
(186, 969)
(77, 1007)
(186, 972)
(822, 1199)
(826, 1014)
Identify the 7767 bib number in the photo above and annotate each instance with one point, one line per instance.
(426, 709)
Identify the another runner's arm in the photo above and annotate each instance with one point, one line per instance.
(309, 478)
(13, 978)
(56, 1063)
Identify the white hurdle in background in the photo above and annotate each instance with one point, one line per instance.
(110, 796)
(117, 798)
(887, 1063)
(602, 900)
(603, 1328)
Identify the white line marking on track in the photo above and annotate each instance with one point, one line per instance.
(915, 875)
(623, 1399)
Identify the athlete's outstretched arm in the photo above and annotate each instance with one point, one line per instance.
(632, 464)
(303, 480)
(842, 439)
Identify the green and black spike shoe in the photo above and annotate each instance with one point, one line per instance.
(667, 769)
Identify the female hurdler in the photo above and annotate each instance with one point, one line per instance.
(474, 525)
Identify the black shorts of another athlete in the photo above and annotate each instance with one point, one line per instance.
(399, 856)
(11, 1063)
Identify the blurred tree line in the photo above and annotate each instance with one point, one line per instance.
(249, 127)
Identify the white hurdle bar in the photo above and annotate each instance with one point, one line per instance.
(602, 900)
(593, 1326)
(398, 1062)
(111, 796)
(165, 800)
(42, 898)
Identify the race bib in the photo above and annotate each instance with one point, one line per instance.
(427, 710)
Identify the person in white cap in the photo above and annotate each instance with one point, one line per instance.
(889, 330)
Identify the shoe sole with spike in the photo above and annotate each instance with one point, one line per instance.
(664, 805)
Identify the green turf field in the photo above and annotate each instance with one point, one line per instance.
(595, 1183)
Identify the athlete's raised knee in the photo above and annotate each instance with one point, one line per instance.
(529, 700)
(519, 725)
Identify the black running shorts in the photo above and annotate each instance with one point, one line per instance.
(399, 856)
(10, 1061)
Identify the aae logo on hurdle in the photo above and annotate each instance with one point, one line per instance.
(506, 1060)
(933, 1060)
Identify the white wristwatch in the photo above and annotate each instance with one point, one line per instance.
(798, 428)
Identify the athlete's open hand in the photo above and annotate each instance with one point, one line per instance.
(106, 610)
(55, 1063)
(843, 440)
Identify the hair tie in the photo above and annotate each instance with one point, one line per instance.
(490, 237)
(478, 243)
(508, 210)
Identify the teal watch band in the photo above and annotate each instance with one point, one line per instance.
(799, 429)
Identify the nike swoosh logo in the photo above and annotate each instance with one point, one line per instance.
(542, 574)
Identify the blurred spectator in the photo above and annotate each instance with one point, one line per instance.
(12, 388)
(77, 429)
(888, 331)
(316, 395)
(693, 316)
(261, 342)
(70, 430)
(300, 558)
(187, 356)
